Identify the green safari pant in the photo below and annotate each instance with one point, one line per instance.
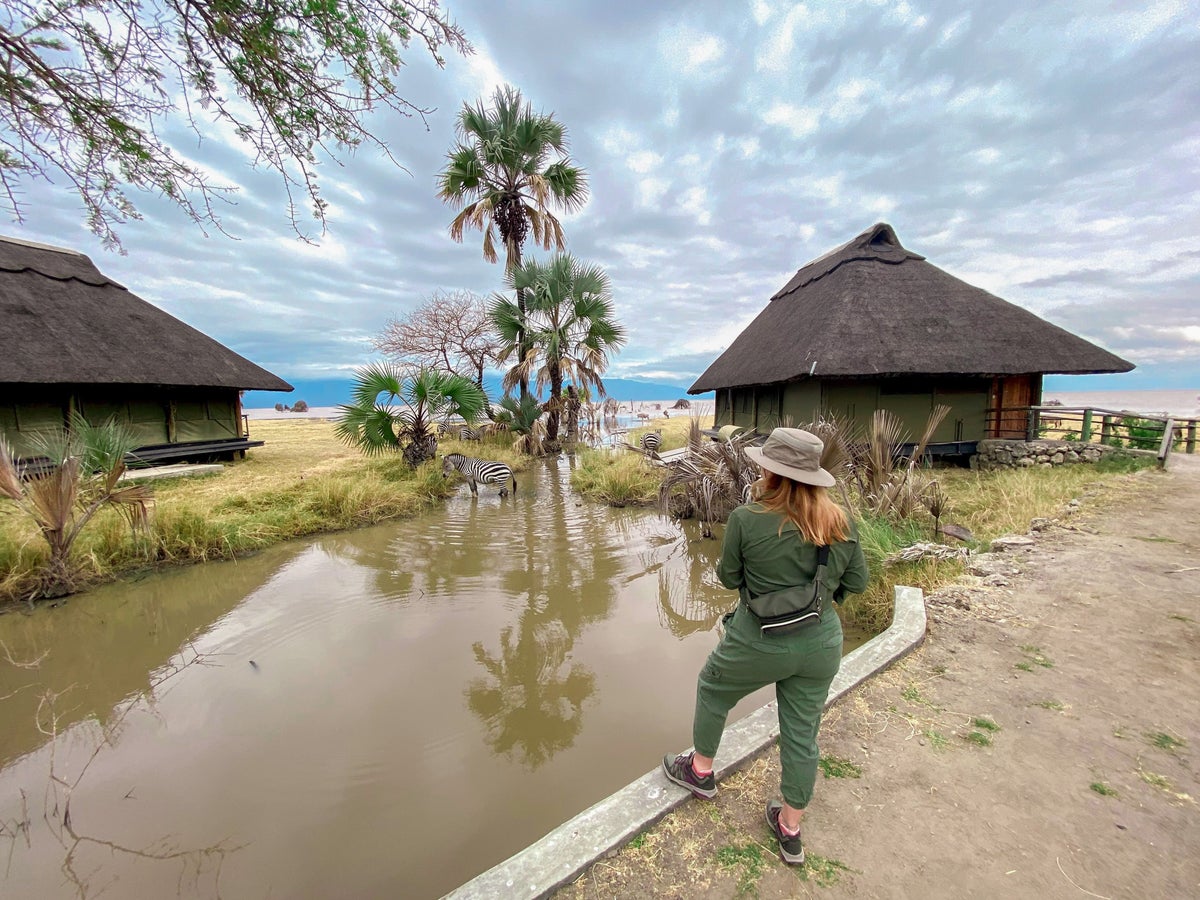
(801, 665)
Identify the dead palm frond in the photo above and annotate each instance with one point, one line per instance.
(712, 479)
(882, 470)
(87, 462)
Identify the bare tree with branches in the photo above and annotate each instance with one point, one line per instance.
(89, 87)
(449, 332)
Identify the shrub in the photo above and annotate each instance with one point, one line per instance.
(1145, 434)
(299, 406)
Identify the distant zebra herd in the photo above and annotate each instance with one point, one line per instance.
(465, 433)
(480, 471)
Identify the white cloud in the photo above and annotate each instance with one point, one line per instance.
(692, 53)
(483, 73)
(801, 121)
(651, 190)
(639, 255)
(761, 11)
(694, 201)
(955, 28)
(643, 161)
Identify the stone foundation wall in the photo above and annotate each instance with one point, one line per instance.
(998, 454)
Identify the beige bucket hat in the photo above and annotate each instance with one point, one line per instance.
(795, 454)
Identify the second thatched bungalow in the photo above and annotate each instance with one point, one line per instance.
(872, 325)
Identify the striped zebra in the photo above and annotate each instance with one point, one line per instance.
(651, 441)
(462, 432)
(480, 471)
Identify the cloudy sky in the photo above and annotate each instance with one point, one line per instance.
(1047, 152)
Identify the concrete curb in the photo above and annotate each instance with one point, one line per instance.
(562, 855)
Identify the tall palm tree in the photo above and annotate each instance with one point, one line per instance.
(508, 171)
(568, 328)
(376, 426)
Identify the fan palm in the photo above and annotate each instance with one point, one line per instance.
(376, 426)
(568, 327)
(521, 418)
(86, 465)
(507, 172)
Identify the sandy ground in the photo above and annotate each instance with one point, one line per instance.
(1042, 743)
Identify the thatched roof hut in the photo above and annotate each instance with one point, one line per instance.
(67, 323)
(872, 319)
(75, 340)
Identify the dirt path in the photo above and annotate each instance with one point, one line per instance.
(1043, 742)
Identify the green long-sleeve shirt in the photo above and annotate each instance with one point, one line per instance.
(755, 557)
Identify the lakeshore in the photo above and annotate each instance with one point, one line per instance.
(1180, 403)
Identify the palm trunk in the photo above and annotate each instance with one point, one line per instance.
(512, 262)
(555, 402)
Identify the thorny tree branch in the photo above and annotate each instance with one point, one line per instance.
(88, 88)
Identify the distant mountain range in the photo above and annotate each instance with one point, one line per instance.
(336, 391)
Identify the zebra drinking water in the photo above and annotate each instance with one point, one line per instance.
(651, 441)
(480, 471)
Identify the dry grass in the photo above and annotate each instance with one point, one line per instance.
(674, 430)
(303, 481)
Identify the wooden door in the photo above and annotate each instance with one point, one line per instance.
(1011, 399)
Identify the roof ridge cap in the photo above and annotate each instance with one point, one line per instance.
(867, 246)
(8, 239)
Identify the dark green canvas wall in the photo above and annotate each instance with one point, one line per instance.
(855, 400)
(199, 414)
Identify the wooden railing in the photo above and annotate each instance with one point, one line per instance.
(1115, 428)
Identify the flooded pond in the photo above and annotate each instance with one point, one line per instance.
(384, 712)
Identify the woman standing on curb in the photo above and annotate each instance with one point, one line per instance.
(770, 545)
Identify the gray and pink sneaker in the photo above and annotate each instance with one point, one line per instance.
(680, 771)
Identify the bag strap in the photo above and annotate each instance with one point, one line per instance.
(822, 562)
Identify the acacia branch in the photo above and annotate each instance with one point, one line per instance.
(86, 84)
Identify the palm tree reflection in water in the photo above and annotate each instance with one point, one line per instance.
(530, 707)
(564, 565)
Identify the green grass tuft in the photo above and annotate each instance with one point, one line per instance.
(1164, 741)
(979, 739)
(985, 724)
(937, 740)
(836, 767)
(748, 859)
(1103, 789)
(616, 478)
(1159, 781)
(823, 870)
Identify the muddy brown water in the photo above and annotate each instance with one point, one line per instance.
(384, 712)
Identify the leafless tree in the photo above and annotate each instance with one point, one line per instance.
(449, 332)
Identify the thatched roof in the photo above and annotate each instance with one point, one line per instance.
(63, 322)
(872, 308)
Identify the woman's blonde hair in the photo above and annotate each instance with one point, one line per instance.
(819, 520)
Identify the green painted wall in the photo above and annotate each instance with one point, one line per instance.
(854, 402)
(26, 412)
(802, 401)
